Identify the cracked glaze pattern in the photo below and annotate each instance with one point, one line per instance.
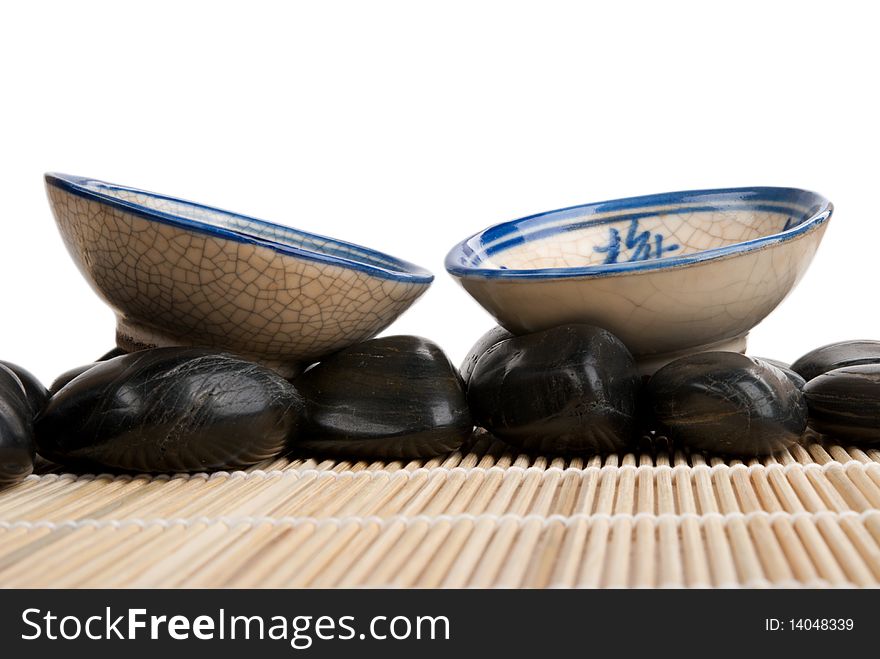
(668, 274)
(178, 273)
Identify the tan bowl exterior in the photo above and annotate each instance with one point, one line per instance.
(663, 313)
(174, 286)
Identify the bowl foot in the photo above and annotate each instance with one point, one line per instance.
(648, 364)
(137, 337)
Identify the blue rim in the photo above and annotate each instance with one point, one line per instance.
(465, 258)
(338, 252)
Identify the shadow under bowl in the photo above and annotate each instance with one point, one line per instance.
(670, 274)
(180, 273)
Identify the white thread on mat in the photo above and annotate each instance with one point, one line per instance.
(513, 469)
(450, 519)
(681, 467)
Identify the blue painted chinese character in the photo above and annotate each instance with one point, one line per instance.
(639, 243)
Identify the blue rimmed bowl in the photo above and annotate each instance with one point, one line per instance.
(670, 274)
(180, 273)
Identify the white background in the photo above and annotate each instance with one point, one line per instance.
(407, 126)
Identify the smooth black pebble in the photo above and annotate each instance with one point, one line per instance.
(845, 403)
(727, 403)
(495, 335)
(36, 392)
(68, 375)
(394, 397)
(795, 377)
(837, 355)
(569, 389)
(16, 429)
(110, 354)
(170, 409)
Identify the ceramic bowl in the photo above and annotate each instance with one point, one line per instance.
(670, 274)
(179, 273)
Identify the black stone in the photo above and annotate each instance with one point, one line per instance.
(570, 389)
(837, 355)
(110, 354)
(70, 374)
(845, 403)
(37, 394)
(795, 378)
(170, 409)
(394, 397)
(16, 429)
(495, 335)
(62, 380)
(727, 403)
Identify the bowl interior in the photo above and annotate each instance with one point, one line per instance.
(200, 217)
(639, 229)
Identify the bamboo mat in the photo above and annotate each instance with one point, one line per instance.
(484, 517)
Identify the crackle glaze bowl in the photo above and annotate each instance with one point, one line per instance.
(180, 273)
(670, 274)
